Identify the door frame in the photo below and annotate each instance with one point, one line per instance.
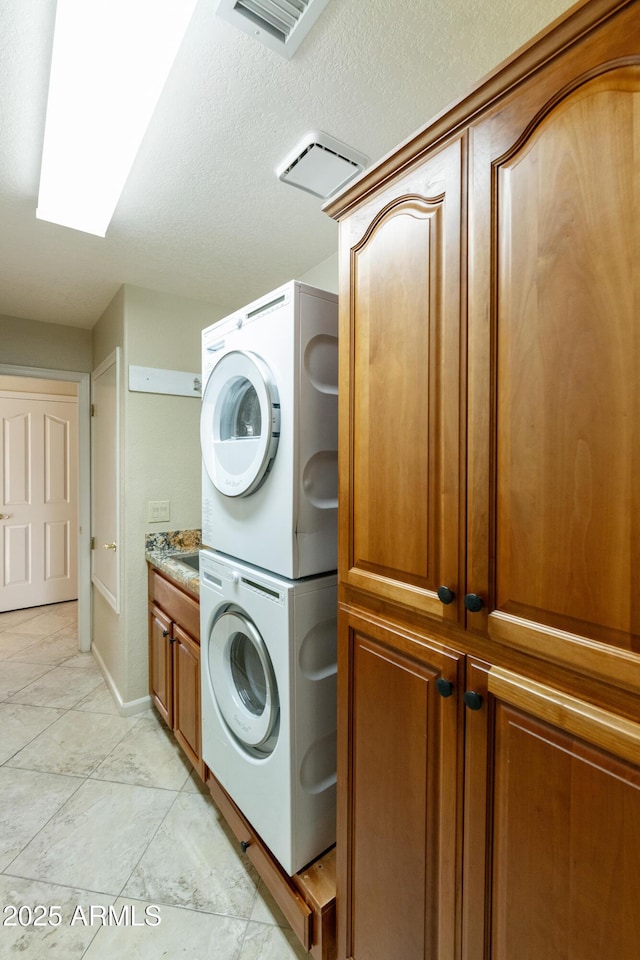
(84, 486)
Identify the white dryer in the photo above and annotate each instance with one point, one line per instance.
(268, 669)
(269, 432)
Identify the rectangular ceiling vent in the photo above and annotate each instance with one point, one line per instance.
(321, 165)
(281, 25)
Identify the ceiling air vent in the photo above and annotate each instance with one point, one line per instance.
(321, 165)
(281, 25)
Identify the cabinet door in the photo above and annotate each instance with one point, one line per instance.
(160, 663)
(398, 794)
(553, 317)
(400, 388)
(186, 687)
(561, 863)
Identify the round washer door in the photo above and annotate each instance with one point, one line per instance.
(244, 683)
(239, 423)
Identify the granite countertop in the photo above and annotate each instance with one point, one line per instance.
(164, 551)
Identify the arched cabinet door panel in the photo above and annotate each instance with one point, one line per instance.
(563, 501)
(400, 340)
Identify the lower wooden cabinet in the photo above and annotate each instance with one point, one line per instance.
(484, 815)
(552, 824)
(186, 695)
(161, 663)
(174, 663)
(400, 785)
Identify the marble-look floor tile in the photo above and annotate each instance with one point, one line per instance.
(83, 661)
(95, 840)
(15, 676)
(12, 644)
(99, 700)
(148, 756)
(20, 723)
(70, 629)
(27, 801)
(59, 687)
(13, 617)
(193, 861)
(67, 609)
(75, 744)
(66, 940)
(179, 934)
(54, 650)
(264, 942)
(266, 910)
(43, 624)
(194, 784)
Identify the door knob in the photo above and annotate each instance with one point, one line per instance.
(446, 595)
(110, 546)
(4, 516)
(473, 602)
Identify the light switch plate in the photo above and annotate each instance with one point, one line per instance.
(158, 511)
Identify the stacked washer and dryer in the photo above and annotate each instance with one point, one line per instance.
(268, 589)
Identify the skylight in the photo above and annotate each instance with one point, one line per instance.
(110, 62)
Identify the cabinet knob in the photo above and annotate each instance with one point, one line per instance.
(244, 845)
(472, 699)
(473, 602)
(165, 633)
(446, 595)
(444, 687)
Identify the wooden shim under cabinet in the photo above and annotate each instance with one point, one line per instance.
(317, 884)
(307, 900)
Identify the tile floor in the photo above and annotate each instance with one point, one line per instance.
(108, 841)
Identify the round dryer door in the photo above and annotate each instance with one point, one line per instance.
(243, 683)
(239, 424)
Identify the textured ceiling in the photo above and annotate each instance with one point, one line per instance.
(202, 214)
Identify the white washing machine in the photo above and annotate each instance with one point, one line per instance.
(269, 432)
(268, 669)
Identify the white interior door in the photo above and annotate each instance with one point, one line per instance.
(38, 500)
(105, 478)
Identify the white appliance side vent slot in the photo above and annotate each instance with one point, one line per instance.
(281, 25)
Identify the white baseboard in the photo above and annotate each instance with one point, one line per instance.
(128, 708)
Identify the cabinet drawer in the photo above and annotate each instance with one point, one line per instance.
(297, 912)
(177, 604)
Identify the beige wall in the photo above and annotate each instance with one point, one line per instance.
(63, 388)
(159, 457)
(324, 275)
(162, 445)
(29, 343)
(108, 332)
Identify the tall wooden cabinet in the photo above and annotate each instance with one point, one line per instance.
(489, 674)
